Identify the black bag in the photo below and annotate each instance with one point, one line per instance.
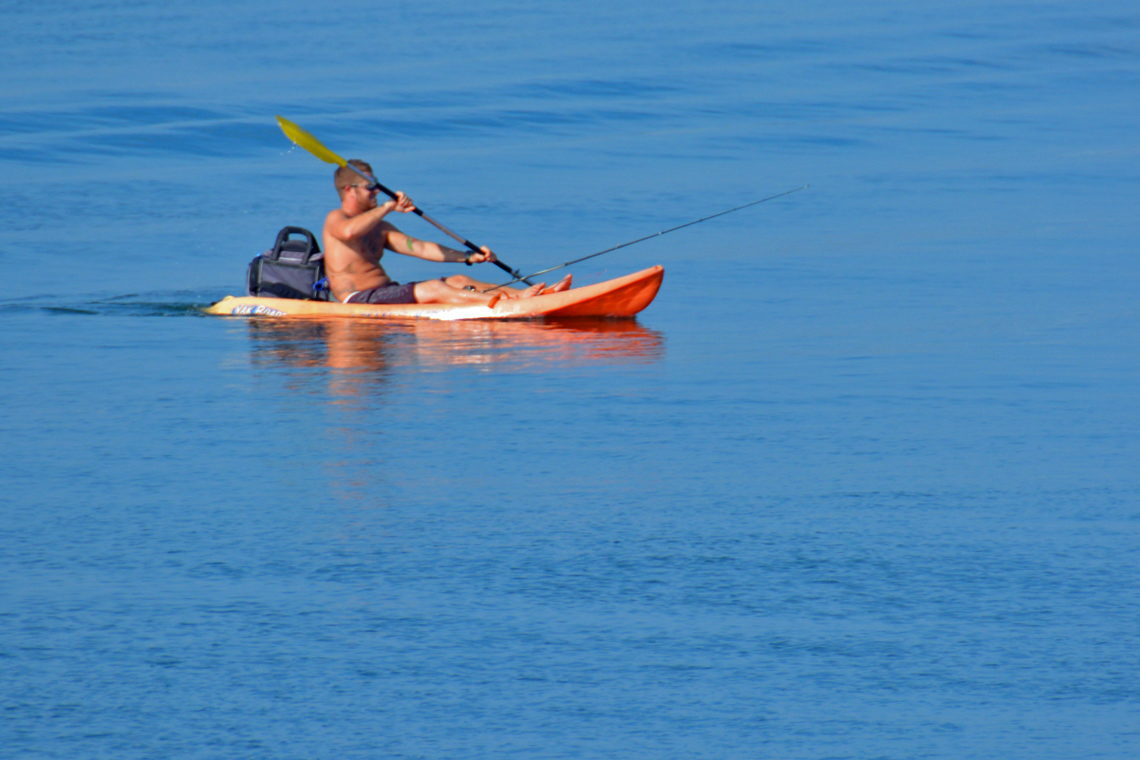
(293, 268)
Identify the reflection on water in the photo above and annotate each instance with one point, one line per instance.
(360, 352)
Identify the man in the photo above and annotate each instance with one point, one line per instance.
(355, 236)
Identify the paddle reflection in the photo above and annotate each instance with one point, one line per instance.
(368, 350)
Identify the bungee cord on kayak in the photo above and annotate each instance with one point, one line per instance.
(655, 234)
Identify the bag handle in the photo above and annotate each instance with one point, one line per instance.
(283, 237)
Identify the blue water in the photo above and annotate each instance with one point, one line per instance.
(863, 482)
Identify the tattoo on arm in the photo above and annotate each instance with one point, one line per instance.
(409, 242)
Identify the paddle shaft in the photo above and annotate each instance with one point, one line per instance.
(657, 234)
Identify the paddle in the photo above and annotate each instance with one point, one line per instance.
(305, 140)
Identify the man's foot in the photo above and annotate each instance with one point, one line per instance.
(561, 285)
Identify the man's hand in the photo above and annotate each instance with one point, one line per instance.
(403, 203)
(480, 256)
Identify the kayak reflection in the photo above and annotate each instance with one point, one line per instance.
(358, 345)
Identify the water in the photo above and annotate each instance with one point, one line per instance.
(861, 483)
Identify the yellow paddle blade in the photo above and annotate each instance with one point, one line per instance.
(308, 142)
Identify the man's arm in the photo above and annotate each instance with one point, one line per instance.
(401, 242)
(349, 228)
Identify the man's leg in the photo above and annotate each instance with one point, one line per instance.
(463, 281)
(443, 291)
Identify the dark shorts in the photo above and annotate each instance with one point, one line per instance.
(393, 292)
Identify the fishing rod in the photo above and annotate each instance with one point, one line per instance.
(655, 234)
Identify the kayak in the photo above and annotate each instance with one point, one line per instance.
(619, 297)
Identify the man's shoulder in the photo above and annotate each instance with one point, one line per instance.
(332, 219)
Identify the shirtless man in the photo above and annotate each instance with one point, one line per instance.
(355, 236)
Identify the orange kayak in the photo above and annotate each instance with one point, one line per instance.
(619, 297)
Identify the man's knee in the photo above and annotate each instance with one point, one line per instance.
(430, 290)
(460, 281)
